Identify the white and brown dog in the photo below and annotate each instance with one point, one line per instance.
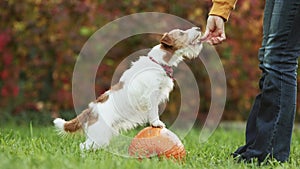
(135, 99)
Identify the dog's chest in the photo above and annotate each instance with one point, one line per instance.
(145, 76)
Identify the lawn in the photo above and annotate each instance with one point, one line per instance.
(40, 147)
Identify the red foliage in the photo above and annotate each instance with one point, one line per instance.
(39, 44)
(4, 40)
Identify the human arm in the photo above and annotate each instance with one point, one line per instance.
(219, 13)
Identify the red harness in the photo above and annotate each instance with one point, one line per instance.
(168, 69)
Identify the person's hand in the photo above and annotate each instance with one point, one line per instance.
(215, 31)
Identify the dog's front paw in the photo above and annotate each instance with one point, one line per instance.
(158, 123)
(88, 145)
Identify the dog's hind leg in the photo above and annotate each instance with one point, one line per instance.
(98, 135)
(86, 117)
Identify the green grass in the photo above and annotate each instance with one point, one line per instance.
(40, 147)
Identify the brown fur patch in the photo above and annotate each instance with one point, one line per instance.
(169, 45)
(92, 119)
(117, 86)
(167, 57)
(102, 98)
(174, 40)
(76, 123)
(167, 40)
(169, 52)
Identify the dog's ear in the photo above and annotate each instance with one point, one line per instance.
(166, 40)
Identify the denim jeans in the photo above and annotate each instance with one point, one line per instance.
(270, 123)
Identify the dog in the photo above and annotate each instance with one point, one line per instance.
(134, 100)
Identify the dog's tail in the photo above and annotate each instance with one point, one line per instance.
(75, 124)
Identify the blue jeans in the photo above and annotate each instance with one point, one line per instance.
(270, 123)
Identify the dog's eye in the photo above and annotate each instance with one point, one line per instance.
(181, 33)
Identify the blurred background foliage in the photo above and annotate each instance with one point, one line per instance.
(40, 41)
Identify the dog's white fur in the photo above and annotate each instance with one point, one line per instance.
(145, 86)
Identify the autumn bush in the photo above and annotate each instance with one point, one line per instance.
(40, 42)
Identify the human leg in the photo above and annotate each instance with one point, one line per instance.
(251, 128)
(270, 123)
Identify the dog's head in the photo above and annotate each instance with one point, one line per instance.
(180, 44)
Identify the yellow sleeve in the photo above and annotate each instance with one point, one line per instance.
(222, 8)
